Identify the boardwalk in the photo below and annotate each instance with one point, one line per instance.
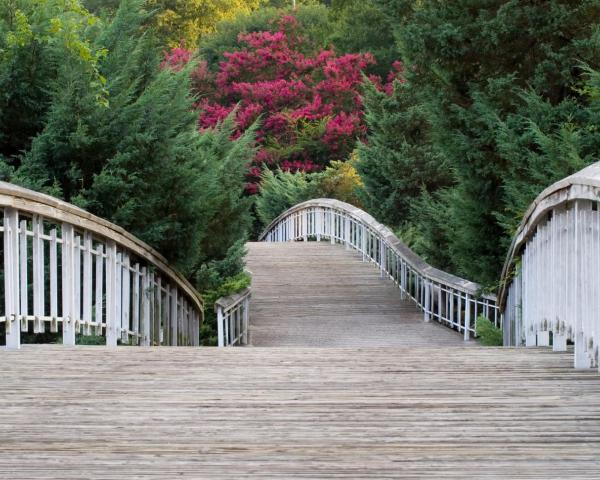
(321, 295)
(264, 413)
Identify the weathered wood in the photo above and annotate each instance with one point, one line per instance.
(81, 281)
(358, 413)
(427, 286)
(233, 318)
(19, 198)
(317, 294)
(11, 277)
(550, 296)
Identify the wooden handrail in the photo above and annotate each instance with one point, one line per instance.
(233, 316)
(452, 300)
(101, 253)
(549, 290)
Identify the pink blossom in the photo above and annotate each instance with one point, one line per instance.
(299, 92)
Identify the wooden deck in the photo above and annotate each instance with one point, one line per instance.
(263, 413)
(322, 295)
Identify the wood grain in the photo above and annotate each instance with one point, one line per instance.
(319, 295)
(264, 413)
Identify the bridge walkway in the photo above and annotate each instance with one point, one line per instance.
(315, 294)
(281, 413)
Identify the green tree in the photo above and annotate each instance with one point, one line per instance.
(140, 161)
(189, 20)
(399, 160)
(480, 70)
(362, 26)
(312, 20)
(37, 41)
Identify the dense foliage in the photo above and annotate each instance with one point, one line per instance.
(281, 190)
(188, 20)
(443, 119)
(307, 98)
(101, 124)
(497, 114)
(489, 335)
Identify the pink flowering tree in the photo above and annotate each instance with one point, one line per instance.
(308, 105)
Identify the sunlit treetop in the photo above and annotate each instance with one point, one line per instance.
(58, 24)
(186, 21)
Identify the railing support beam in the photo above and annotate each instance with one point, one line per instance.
(11, 278)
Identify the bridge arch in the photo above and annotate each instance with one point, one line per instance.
(63, 265)
(549, 291)
(451, 300)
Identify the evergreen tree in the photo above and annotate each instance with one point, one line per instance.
(399, 160)
(361, 26)
(140, 160)
(476, 68)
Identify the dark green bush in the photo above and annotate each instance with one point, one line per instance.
(488, 334)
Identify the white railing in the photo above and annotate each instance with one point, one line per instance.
(64, 266)
(551, 278)
(233, 315)
(451, 300)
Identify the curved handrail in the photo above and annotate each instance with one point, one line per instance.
(582, 185)
(58, 210)
(450, 299)
(549, 289)
(94, 252)
(233, 316)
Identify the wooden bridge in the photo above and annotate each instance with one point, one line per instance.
(316, 294)
(361, 359)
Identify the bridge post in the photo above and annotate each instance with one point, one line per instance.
(173, 315)
(318, 223)
(68, 284)
(111, 294)
(559, 340)
(381, 257)
(38, 275)
(467, 324)
(146, 338)
(427, 301)
(220, 332)
(11, 278)
(305, 225)
(331, 227)
(363, 237)
(246, 320)
(402, 280)
(543, 338)
(347, 232)
(582, 359)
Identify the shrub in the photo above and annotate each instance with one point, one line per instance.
(306, 97)
(488, 334)
(231, 285)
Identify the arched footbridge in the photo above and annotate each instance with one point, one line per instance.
(360, 360)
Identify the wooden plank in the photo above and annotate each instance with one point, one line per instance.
(11, 277)
(99, 288)
(126, 299)
(112, 331)
(270, 413)
(317, 294)
(53, 280)
(136, 302)
(87, 283)
(23, 274)
(68, 284)
(38, 275)
(77, 283)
